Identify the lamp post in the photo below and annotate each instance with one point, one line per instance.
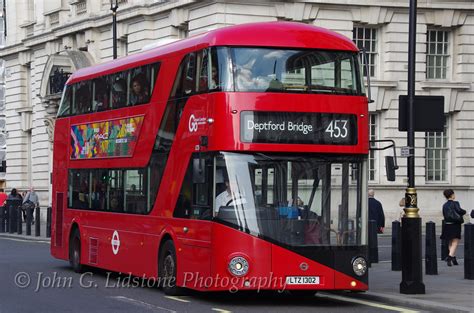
(412, 279)
(113, 8)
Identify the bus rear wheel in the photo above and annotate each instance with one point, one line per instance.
(75, 251)
(167, 270)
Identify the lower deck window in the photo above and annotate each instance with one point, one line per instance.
(113, 190)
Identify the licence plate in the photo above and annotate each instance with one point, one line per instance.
(302, 280)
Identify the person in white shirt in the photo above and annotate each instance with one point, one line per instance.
(228, 197)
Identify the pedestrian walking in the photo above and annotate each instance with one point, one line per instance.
(453, 218)
(376, 211)
(401, 204)
(3, 197)
(16, 198)
(14, 195)
(23, 211)
(30, 203)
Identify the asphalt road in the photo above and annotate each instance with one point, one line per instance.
(32, 281)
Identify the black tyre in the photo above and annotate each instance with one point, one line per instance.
(75, 252)
(167, 270)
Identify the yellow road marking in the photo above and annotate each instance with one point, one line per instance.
(180, 299)
(368, 303)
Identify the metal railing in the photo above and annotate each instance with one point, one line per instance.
(81, 7)
(57, 80)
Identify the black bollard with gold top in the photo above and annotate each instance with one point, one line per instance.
(412, 271)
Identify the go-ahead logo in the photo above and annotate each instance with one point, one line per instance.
(194, 123)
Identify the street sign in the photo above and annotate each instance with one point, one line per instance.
(428, 115)
(405, 152)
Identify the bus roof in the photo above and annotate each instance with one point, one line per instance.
(266, 34)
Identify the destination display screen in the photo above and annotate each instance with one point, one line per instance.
(298, 128)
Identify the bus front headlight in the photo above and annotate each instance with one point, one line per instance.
(238, 266)
(359, 266)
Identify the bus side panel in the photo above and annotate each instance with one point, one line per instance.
(121, 244)
(229, 243)
(59, 234)
(185, 143)
(193, 250)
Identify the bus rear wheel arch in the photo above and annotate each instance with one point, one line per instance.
(75, 250)
(167, 269)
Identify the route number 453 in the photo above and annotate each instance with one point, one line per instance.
(337, 129)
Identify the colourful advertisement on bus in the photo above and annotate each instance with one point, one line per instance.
(114, 138)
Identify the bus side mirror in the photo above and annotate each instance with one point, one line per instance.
(390, 161)
(199, 171)
(390, 168)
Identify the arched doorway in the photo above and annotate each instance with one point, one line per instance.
(57, 70)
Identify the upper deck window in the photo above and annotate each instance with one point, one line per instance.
(82, 97)
(285, 70)
(113, 91)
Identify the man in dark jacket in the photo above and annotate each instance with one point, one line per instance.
(376, 212)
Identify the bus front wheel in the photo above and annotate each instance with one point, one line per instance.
(75, 251)
(167, 270)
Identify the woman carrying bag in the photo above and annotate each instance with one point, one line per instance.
(453, 218)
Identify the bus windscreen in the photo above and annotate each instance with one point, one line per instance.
(289, 70)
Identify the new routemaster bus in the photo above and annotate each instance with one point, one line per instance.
(235, 159)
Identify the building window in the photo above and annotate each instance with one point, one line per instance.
(366, 38)
(81, 7)
(28, 85)
(437, 54)
(123, 45)
(372, 136)
(436, 150)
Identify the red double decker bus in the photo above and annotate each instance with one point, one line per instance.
(236, 159)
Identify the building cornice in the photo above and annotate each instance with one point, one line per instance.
(445, 84)
(24, 109)
(26, 24)
(383, 83)
(459, 5)
(132, 11)
(426, 186)
(91, 22)
(46, 13)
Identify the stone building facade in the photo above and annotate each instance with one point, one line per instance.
(55, 37)
(3, 135)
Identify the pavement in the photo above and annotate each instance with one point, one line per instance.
(447, 291)
(23, 236)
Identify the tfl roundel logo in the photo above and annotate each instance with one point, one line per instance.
(115, 242)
